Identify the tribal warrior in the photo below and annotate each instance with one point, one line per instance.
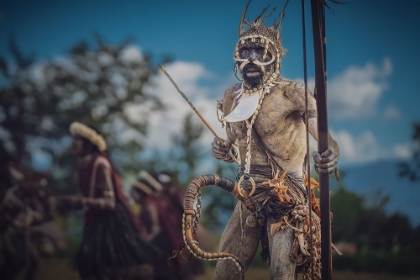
(265, 116)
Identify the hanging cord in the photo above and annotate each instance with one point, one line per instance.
(324, 42)
(308, 162)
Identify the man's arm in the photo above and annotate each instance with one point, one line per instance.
(220, 151)
(103, 187)
(155, 227)
(327, 161)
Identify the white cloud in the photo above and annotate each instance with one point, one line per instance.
(131, 54)
(364, 148)
(354, 93)
(165, 124)
(357, 149)
(402, 151)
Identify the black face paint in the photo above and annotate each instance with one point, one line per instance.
(260, 45)
(253, 75)
(253, 72)
(254, 53)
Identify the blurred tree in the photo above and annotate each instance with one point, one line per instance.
(383, 231)
(98, 84)
(347, 208)
(219, 204)
(411, 168)
(415, 240)
(365, 222)
(187, 153)
(185, 159)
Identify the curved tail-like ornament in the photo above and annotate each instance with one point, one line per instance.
(190, 216)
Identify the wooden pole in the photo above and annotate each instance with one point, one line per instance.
(321, 101)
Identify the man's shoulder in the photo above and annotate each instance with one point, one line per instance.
(290, 87)
(289, 84)
(232, 90)
(229, 96)
(102, 161)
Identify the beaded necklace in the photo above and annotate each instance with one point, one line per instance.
(265, 90)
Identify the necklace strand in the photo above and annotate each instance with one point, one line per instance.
(265, 90)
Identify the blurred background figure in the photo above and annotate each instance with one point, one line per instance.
(163, 223)
(5, 176)
(161, 202)
(176, 195)
(26, 228)
(171, 190)
(111, 247)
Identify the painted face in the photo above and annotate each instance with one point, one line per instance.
(78, 146)
(254, 53)
(261, 46)
(254, 65)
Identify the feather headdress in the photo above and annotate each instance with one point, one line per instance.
(253, 32)
(88, 133)
(138, 184)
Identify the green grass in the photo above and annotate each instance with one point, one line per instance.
(264, 274)
(53, 269)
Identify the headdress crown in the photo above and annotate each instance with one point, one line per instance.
(253, 32)
(257, 29)
(88, 133)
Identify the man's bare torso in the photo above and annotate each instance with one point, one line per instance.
(279, 125)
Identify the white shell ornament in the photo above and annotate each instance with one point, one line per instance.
(246, 107)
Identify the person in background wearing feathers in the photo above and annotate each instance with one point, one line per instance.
(112, 247)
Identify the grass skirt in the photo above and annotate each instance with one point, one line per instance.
(112, 242)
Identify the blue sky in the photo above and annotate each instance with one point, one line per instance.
(372, 52)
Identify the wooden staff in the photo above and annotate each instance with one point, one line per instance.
(318, 24)
(196, 111)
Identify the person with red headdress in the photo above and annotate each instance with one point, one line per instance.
(163, 226)
(112, 247)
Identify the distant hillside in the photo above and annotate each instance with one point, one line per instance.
(382, 176)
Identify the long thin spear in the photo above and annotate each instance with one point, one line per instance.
(196, 111)
(318, 22)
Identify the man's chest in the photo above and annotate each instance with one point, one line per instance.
(275, 113)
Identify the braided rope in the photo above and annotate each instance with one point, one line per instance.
(249, 125)
(191, 216)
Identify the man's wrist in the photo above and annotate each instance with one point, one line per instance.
(85, 202)
(231, 155)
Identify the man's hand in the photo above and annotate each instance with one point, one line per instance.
(221, 152)
(325, 162)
